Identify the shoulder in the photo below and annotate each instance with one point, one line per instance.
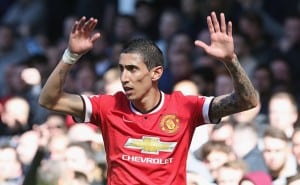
(176, 94)
(181, 97)
(104, 98)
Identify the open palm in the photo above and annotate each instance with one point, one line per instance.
(82, 37)
(221, 46)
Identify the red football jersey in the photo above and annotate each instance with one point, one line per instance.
(147, 148)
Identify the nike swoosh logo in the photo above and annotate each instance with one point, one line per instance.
(127, 121)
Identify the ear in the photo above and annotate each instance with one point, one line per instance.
(156, 73)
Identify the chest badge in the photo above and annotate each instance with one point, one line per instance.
(169, 123)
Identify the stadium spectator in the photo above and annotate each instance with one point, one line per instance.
(277, 155)
(283, 112)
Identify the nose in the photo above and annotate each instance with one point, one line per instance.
(124, 76)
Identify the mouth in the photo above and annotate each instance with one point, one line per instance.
(128, 90)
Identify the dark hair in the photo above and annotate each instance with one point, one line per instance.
(210, 146)
(275, 133)
(152, 55)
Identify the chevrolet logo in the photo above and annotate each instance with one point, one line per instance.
(150, 145)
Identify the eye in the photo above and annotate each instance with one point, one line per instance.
(131, 68)
(121, 68)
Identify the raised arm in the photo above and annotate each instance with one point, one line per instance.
(53, 97)
(244, 96)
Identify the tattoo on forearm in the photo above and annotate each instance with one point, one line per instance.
(244, 96)
(222, 106)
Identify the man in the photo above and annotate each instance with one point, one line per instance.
(283, 112)
(214, 154)
(277, 155)
(10, 166)
(146, 132)
(245, 144)
(231, 172)
(15, 116)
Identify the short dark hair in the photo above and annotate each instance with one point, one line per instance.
(275, 132)
(210, 146)
(152, 55)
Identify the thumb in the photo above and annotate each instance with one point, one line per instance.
(201, 45)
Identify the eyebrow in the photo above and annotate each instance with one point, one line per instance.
(128, 66)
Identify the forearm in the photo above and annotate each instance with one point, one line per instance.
(243, 97)
(53, 88)
(243, 88)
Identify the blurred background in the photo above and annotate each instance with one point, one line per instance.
(45, 148)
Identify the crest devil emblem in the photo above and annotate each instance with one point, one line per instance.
(169, 123)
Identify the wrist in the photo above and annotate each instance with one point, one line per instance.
(69, 57)
(231, 59)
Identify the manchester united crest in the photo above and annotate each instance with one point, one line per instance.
(169, 123)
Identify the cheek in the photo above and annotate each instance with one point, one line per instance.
(142, 87)
(296, 150)
(280, 158)
(142, 80)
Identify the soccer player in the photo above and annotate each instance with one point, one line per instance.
(147, 132)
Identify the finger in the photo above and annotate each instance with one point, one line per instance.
(90, 24)
(75, 26)
(95, 37)
(81, 23)
(86, 26)
(210, 25)
(93, 25)
(201, 45)
(229, 28)
(215, 22)
(223, 23)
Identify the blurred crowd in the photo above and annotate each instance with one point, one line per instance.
(260, 146)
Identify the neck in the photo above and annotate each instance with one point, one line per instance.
(149, 103)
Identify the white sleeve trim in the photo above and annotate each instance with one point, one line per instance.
(205, 109)
(88, 109)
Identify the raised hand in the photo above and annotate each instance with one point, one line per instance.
(221, 46)
(82, 37)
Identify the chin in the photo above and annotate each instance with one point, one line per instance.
(130, 97)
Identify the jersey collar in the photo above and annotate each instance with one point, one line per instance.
(156, 109)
